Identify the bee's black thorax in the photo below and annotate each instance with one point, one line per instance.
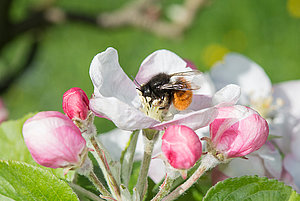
(152, 89)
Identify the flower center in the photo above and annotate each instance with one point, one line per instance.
(267, 107)
(152, 108)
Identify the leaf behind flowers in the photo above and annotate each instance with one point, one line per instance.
(251, 188)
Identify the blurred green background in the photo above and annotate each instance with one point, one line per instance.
(266, 31)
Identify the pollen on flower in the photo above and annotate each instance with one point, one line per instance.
(152, 110)
(267, 107)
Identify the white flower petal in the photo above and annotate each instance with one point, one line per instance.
(206, 86)
(124, 116)
(240, 167)
(272, 159)
(110, 80)
(283, 125)
(199, 102)
(194, 120)
(157, 170)
(227, 96)
(115, 142)
(160, 61)
(237, 69)
(295, 141)
(288, 92)
(293, 167)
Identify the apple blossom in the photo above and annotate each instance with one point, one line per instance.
(181, 146)
(76, 103)
(237, 131)
(116, 97)
(54, 141)
(277, 103)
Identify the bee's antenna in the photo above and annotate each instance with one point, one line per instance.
(136, 81)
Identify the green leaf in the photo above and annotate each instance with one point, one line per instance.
(12, 145)
(21, 181)
(251, 188)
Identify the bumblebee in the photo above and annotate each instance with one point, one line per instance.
(163, 89)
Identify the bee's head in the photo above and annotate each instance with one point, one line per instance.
(146, 91)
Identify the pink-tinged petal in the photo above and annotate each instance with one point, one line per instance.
(200, 102)
(3, 112)
(181, 146)
(194, 120)
(238, 131)
(272, 159)
(217, 175)
(160, 61)
(292, 165)
(123, 115)
(53, 140)
(76, 103)
(288, 93)
(227, 96)
(288, 179)
(109, 79)
(238, 69)
(190, 64)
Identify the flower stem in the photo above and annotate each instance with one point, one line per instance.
(78, 189)
(127, 161)
(111, 180)
(150, 137)
(164, 189)
(208, 161)
(94, 179)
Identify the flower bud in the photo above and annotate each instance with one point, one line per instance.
(3, 112)
(181, 146)
(76, 103)
(54, 141)
(237, 131)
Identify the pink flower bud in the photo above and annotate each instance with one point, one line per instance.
(238, 131)
(54, 141)
(181, 146)
(76, 103)
(3, 112)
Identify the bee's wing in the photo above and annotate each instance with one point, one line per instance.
(189, 80)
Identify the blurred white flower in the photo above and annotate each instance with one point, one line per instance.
(278, 104)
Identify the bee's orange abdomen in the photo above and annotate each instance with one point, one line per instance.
(182, 99)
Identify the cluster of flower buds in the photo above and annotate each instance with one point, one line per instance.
(236, 132)
(53, 139)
